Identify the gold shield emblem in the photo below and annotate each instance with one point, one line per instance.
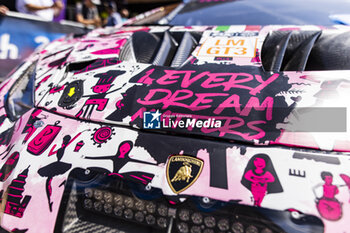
(182, 171)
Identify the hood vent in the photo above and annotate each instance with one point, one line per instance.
(287, 50)
(306, 51)
(159, 49)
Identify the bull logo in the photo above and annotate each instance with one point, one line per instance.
(182, 172)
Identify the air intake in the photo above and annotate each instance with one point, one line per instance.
(306, 51)
(158, 49)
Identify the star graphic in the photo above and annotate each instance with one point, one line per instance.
(155, 115)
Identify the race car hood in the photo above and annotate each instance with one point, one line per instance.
(250, 84)
(116, 102)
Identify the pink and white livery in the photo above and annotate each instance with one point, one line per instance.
(237, 127)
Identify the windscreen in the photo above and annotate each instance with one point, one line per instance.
(262, 12)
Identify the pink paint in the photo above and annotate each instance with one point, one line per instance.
(49, 186)
(13, 187)
(231, 102)
(4, 85)
(233, 82)
(253, 102)
(171, 76)
(52, 152)
(289, 29)
(252, 28)
(78, 146)
(14, 195)
(147, 100)
(43, 140)
(147, 177)
(88, 41)
(136, 177)
(114, 50)
(56, 89)
(99, 64)
(119, 104)
(178, 96)
(193, 60)
(101, 103)
(101, 88)
(201, 99)
(256, 59)
(328, 206)
(115, 174)
(18, 181)
(230, 128)
(42, 81)
(188, 81)
(147, 79)
(124, 149)
(259, 180)
(131, 31)
(225, 80)
(263, 83)
(261, 133)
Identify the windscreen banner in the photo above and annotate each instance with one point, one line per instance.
(20, 34)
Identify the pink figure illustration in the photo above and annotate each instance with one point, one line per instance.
(328, 206)
(260, 178)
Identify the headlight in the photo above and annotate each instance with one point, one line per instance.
(20, 98)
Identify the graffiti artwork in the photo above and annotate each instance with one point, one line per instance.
(16, 203)
(101, 89)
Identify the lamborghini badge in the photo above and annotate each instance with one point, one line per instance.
(182, 171)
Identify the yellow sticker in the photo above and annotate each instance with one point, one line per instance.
(71, 92)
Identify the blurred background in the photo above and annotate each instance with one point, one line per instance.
(133, 7)
(26, 24)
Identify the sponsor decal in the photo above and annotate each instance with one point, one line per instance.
(151, 120)
(155, 120)
(237, 46)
